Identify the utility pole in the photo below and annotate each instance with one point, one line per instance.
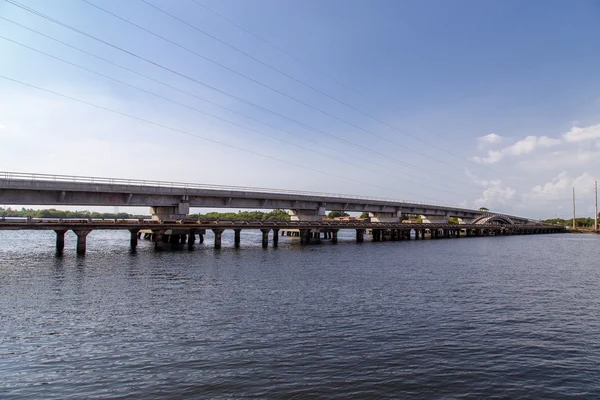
(596, 206)
(573, 207)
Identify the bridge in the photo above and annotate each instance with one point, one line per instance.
(170, 203)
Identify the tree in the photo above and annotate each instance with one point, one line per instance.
(364, 215)
(484, 209)
(453, 220)
(335, 214)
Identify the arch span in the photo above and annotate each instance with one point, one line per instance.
(491, 219)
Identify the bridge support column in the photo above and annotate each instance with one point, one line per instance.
(265, 238)
(174, 240)
(191, 239)
(81, 240)
(217, 233)
(275, 237)
(447, 233)
(60, 240)
(133, 241)
(360, 235)
(376, 235)
(237, 237)
(305, 236)
(417, 234)
(334, 238)
(386, 235)
(158, 237)
(317, 236)
(201, 238)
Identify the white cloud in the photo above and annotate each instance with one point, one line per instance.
(560, 159)
(561, 186)
(496, 193)
(488, 140)
(577, 134)
(523, 146)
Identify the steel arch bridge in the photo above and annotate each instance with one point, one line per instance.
(493, 219)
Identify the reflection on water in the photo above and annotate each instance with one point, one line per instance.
(507, 317)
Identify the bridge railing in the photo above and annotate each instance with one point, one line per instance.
(23, 176)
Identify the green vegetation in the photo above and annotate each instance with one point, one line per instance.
(364, 215)
(53, 213)
(579, 222)
(275, 215)
(453, 220)
(336, 214)
(484, 209)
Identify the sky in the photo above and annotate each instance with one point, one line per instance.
(477, 104)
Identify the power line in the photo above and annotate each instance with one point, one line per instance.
(335, 137)
(270, 87)
(316, 70)
(211, 115)
(187, 133)
(209, 101)
(28, 9)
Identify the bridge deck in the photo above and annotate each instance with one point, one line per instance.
(50, 224)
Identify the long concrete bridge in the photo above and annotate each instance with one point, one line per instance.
(172, 200)
(170, 203)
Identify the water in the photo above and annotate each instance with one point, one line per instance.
(503, 317)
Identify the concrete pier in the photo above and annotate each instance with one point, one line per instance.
(158, 237)
(265, 238)
(376, 235)
(178, 233)
(237, 237)
(81, 240)
(174, 241)
(305, 236)
(60, 240)
(191, 239)
(218, 233)
(133, 241)
(317, 237)
(360, 235)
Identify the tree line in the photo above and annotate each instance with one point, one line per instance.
(54, 213)
(579, 222)
(275, 215)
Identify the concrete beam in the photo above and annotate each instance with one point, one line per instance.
(393, 217)
(316, 214)
(170, 213)
(435, 219)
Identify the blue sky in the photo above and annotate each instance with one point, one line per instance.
(507, 94)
